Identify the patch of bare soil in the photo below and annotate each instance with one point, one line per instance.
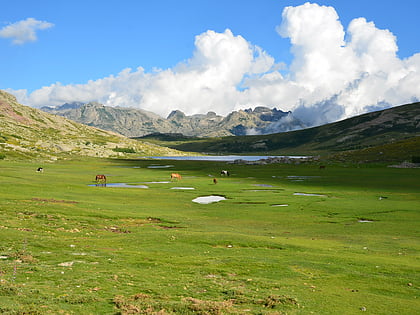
(208, 307)
(116, 229)
(144, 304)
(52, 200)
(166, 227)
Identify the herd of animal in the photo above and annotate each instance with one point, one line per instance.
(101, 178)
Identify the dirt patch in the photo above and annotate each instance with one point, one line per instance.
(7, 110)
(273, 301)
(52, 200)
(165, 227)
(115, 229)
(154, 220)
(208, 307)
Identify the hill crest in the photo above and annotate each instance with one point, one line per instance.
(26, 132)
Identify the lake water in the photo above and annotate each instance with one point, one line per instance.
(120, 185)
(222, 158)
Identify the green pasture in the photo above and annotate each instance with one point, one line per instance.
(350, 246)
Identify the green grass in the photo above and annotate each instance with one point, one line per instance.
(67, 247)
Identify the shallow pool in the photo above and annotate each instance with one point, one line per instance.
(208, 199)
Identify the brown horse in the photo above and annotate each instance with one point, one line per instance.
(100, 178)
(176, 176)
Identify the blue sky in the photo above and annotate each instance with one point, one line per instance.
(79, 43)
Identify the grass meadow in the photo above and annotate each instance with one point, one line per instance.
(348, 242)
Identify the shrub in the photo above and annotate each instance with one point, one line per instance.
(415, 159)
(125, 150)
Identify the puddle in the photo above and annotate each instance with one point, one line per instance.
(186, 188)
(257, 190)
(263, 185)
(250, 202)
(164, 182)
(305, 194)
(301, 178)
(282, 205)
(160, 166)
(364, 221)
(208, 199)
(120, 185)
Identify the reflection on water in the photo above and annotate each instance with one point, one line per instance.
(222, 158)
(120, 185)
(208, 199)
(160, 166)
(263, 185)
(162, 182)
(301, 178)
(305, 194)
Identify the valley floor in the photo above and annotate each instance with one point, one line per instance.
(287, 239)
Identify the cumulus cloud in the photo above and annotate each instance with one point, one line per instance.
(335, 74)
(24, 31)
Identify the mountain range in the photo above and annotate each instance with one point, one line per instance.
(26, 132)
(390, 134)
(137, 122)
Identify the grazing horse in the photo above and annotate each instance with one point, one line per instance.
(176, 176)
(223, 172)
(100, 178)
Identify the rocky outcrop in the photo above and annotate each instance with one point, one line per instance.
(137, 123)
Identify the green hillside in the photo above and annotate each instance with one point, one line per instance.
(379, 128)
(27, 132)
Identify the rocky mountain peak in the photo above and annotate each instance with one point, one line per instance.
(176, 115)
(137, 123)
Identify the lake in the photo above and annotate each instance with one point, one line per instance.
(223, 158)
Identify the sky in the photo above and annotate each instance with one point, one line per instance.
(322, 60)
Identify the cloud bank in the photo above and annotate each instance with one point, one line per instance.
(335, 74)
(24, 31)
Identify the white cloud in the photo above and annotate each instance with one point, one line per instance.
(332, 76)
(24, 31)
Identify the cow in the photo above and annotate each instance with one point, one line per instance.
(100, 178)
(215, 180)
(322, 167)
(224, 172)
(176, 176)
(40, 170)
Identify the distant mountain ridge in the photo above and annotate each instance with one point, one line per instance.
(374, 129)
(137, 122)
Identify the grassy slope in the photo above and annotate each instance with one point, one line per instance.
(29, 133)
(153, 249)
